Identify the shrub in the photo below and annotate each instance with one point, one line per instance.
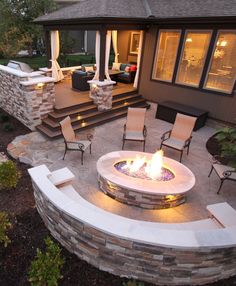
(8, 127)
(133, 283)
(4, 226)
(4, 117)
(227, 141)
(45, 269)
(9, 175)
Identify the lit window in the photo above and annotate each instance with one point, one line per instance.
(222, 69)
(166, 53)
(193, 57)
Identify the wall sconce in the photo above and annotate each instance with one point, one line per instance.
(189, 40)
(40, 85)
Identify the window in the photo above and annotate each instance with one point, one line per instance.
(193, 57)
(166, 53)
(222, 69)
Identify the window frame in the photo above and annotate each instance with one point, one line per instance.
(157, 52)
(210, 31)
(215, 90)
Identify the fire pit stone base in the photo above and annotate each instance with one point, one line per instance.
(142, 200)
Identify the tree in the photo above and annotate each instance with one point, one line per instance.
(17, 30)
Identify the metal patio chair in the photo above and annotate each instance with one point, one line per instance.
(180, 136)
(73, 141)
(135, 129)
(224, 172)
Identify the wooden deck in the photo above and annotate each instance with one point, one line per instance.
(66, 96)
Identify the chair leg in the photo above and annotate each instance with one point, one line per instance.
(221, 183)
(123, 144)
(210, 171)
(144, 144)
(90, 148)
(64, 154)
(181, 155)
(82, 157)
(188, 149)
(161, 146)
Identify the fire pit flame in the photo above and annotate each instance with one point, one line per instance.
(140, 167)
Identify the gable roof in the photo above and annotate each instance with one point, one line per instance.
(141, 9)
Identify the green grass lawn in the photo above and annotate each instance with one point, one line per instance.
(37, 62)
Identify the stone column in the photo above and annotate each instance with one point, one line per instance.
(101, 93)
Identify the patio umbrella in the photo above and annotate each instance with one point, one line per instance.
(55, 49)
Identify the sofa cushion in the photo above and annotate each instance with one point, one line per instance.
(89, 69)
(127, 69)
(81, 72)
(83, 67)
(125, 74)
(122, 67)
(133, 68)
(116, 66)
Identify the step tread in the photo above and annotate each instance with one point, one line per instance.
(90, 107)
(53, 123)
(115, 115)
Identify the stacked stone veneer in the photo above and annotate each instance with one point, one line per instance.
(101, 94)
(28, 103)
(138, 199)
(151, 263)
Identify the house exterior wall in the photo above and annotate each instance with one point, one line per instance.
(123, 47)
(220, 107)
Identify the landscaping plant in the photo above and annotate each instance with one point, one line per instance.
(4, 117)
(45, 270)
(5, 225)
(9, 175)
(227, 141)
(8, 127)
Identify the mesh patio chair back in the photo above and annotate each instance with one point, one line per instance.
(183, 126)
(67, 130)
(135, 119)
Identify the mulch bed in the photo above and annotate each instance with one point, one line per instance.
(28, 234)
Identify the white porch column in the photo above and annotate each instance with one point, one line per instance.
(139, 60)
(55, 51)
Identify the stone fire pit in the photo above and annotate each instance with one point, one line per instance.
(169, 191)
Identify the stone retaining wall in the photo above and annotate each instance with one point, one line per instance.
(28, 103)
(156, 264)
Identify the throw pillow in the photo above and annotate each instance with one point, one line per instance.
(116, 66)
(89, 69)
(127, 69)
(133, 68)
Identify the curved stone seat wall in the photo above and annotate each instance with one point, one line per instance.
(209, 256)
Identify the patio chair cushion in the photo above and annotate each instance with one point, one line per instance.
(220, 169)
(174, 143)
(75, 146)
(135, 119)
(134, 135)
(183, 126)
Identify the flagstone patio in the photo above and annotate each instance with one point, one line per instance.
(35, 149)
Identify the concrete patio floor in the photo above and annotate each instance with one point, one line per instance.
(35, 149)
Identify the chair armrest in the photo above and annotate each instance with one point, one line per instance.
(215, 159)
(228, 173)
(145, 131)
(188, 141)
(165, 135)
(90, 137)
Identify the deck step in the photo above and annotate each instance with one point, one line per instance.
(54, 122)
(95, 121)
(72, 112)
